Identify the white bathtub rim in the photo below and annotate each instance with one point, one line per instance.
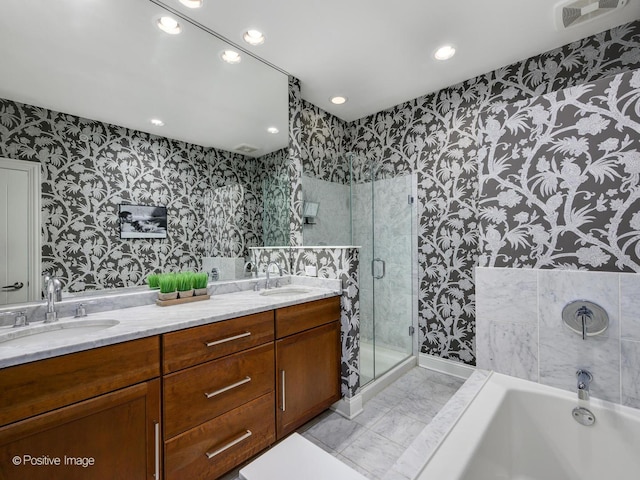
(445, 459)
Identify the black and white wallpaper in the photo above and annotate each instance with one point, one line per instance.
(323, 141)
(89, 168)
(436, 136)
(560, 179)
(276, 192)
(295, 161)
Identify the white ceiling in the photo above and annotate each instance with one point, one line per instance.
(105, 60)
(379, 53)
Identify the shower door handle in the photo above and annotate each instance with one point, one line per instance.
(373, 270)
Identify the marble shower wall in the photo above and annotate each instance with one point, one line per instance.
(333, 223)
(335, 263)
(90, 167)
(520, 329)
(392, 228)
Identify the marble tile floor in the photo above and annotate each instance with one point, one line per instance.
(373, 441)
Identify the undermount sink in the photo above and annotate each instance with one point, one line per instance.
(284, 291)
(61, 330)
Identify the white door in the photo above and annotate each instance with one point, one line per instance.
(19, 231)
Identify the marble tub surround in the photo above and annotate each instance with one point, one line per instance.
(415, 457)
(520, 330)
(147, 320)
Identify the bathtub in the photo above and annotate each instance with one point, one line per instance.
(521, 430)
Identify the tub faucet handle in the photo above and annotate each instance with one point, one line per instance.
(584, 380)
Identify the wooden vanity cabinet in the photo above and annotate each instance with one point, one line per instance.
(96, 412)
(218, 395)
(307, 362)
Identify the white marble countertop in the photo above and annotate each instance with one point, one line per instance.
(148, 320)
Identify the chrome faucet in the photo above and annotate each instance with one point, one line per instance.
(584, 380)
(53, 292)
(266, 285)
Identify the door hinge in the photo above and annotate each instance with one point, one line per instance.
(410, 199)
(412, 330)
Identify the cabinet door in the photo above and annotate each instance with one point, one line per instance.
(115, 435)
(308, 375)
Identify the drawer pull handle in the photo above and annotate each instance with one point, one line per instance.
(284, 392)
(229, 387)
(228, 339)
(244, 436)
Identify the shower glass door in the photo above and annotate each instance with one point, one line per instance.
(382, 213)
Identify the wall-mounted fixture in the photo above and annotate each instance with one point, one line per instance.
(309, 212)
(585, 318)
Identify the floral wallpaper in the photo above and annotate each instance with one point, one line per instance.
(223, 211)
(90, 167)
(295, 162)
(436, 137)
(560, 178)
(276, 197)
(323, 141)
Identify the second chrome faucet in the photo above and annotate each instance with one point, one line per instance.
(584, 381)
(53, 294)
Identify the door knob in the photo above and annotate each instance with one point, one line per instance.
(13, 288)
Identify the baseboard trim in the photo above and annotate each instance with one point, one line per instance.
(349, 408)
(444, 365)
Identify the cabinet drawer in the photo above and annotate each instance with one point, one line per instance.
(201, 453)
(45, 385)
(200, 344)
(198, 394)
(297, 318)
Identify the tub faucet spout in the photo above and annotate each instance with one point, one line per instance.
(584, 380)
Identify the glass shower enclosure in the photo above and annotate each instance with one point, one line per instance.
(382, 224)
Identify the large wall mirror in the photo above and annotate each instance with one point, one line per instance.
(80, 86)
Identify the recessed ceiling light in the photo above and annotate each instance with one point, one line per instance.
(445, 52)
(231, 56)
(338, 100)
(253, 37)
(273, 130)
(156, 122)
(191, 3)
(169, 25)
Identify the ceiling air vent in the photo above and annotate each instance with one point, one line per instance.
(244, 148)
(580, 11)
